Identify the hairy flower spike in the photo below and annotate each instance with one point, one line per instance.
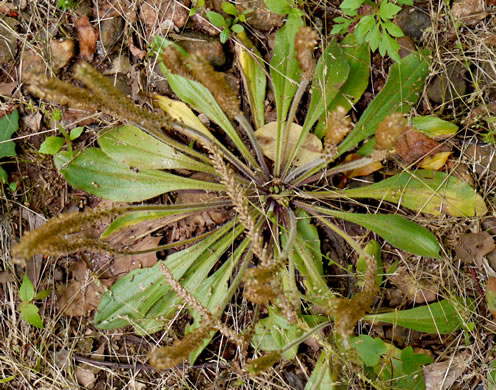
(264, 362)
(170, 356)
(240, 201)
(389, 130)
(175, 62)
(305, 43)
(338, 127)
(63, 235)
(216, 83)
(349, 311)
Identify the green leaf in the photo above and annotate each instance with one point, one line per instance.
(200, 98)
(358, 58)
(365, 25)
(9, 124)
(401, 92)
(412, 362)
(137, 217)
(211, 294)
(284, 67)
(30, 314)
(275, 332)
(133, 147)
(96, 173)
(237, 28)
(370, 349)
(351, 4)
(281, 7)
(42, 294)
(393, 30)
(26, 291)
(330, 74)
(321, 378)
(442, 317)
(216, 19)
(392, 48)
(398, 231)
(433, 126)
(373, 248)
(374, 37)
(52, 145)
(426, 191)
(224, 35)
(76, 133)
(143, 296)
(229, 8)
(254, 78)
(4, 178)
(387, 10)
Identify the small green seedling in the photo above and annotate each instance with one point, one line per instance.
(29, 311)
(9, 124)
(228, 25)
(53, 144)
(375, 28)
(65, 5)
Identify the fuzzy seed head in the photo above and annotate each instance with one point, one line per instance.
(338, 127)
(389, 130)
(264, 362)
(305, 43)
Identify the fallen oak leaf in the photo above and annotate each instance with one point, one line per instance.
(87, 37)
(414, 146)
(472, 247)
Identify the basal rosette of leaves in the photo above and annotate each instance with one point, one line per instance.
(271, 183)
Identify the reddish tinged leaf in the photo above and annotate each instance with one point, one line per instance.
(413, 146)
(87, 37)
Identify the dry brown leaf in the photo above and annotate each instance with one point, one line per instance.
(78, 298)
(6, 277)
(413, 146)
(135, 51)
(62, 52)
(85, 376)
(363, 171)
(33, 121)
(87, 37)
(469, 12)
(418, 291)
(440, 376)
(472, 247)
(310, 149)
(125, 264)
(6, 89)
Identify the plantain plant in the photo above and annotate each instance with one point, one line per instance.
(269, 189)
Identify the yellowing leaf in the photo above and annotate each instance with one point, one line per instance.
(435, 162)
(309, 150)
(434, 126)
(181, 112)
(362, 171)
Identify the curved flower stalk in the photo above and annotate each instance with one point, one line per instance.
(273, 189)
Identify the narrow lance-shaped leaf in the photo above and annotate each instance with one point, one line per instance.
(133, 147)
(254, 78)
(211, 294)
(401, 92)
(442, 317)
(131, 297)
(284, 68)
(330, 74)
(426, 191)
(200, 98)
(192, 280)
(95, 172)
(358, 58)
(398, 231)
